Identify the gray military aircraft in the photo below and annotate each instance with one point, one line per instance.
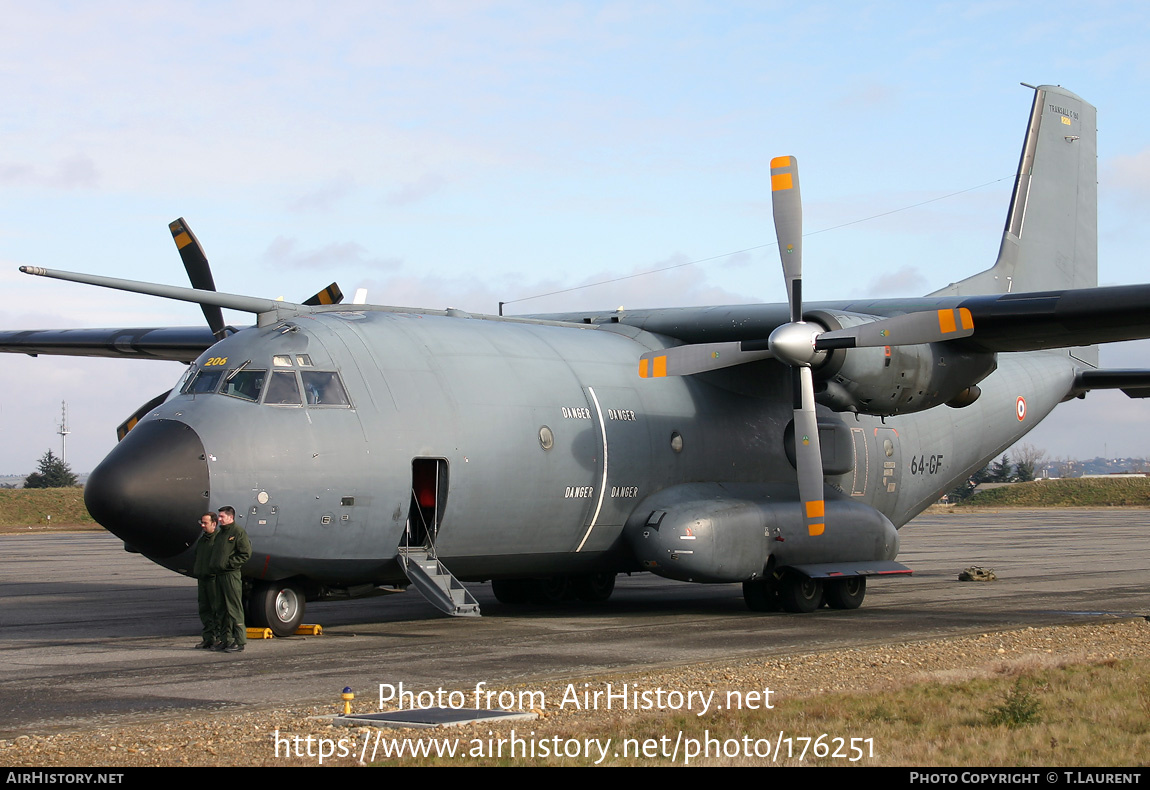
(780, 446)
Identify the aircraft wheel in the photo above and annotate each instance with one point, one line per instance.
(801, 594)
(278, 606)
(551, 590)
(511, 591)
(593, 587)
(846, 593)
(762, 595)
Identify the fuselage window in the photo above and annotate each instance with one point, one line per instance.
(324, 389)
(245, 384)
(205, 381)
(283, 390)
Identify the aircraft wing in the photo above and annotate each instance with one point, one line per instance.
(1057, 319)
(1002, 322)
(181, 344)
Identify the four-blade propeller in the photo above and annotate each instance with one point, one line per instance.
(800, 345)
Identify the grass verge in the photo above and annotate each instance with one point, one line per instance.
(1036, 713)
(31, 507)
(1069, 492)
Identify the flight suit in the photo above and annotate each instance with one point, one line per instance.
(231, 549)
(206, 592)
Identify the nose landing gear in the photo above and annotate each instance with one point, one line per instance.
(276, 605)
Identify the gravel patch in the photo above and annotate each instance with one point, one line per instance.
(247, 737)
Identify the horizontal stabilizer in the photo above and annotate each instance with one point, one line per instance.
(1135, 383)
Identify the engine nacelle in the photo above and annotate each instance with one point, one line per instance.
(896, 379)
(734, 532)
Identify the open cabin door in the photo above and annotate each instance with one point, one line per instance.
(428, 499)
(417, 554)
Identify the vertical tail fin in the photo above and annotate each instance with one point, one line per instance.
(1051, 237)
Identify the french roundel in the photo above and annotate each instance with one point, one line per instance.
(1020, 408)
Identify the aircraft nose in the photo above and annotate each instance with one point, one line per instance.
(152, 488)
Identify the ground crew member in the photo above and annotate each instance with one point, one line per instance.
(206, 593)
(232, 549)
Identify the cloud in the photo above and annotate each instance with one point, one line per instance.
(324, 197)
(286, 252)
(907, 281)
(71, 172)
(1129, 174)
(868, 95)
(680, 283)
(413, 191)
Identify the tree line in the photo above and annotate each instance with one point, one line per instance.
(51, 472)
(1021, 470)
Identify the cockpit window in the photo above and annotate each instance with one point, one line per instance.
(204, 381)
(281, 360)
(245, 384)
(283, 390)
(323, 389)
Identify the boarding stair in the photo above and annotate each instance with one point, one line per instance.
(436, 583)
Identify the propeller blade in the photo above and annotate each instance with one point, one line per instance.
(199, 272)
(808, 454)
(330, 295)
(696, 358)
(130, 423)
(932, 326)
(788, 212)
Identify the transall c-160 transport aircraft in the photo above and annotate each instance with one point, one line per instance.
(776, 446)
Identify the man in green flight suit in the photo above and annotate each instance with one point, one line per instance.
(232, 549)
(206, 582)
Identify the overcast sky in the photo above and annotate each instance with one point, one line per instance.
(458, 154)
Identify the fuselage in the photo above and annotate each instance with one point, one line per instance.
(519, 448)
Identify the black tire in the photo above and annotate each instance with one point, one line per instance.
(593, 587)
(276, 605)
(762, 595)
(511, 591)
(801, 594)
(846, 593)
(551, 590)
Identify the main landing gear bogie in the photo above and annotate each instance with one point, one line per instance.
(550, 590)
(798, 593)
(846, 593)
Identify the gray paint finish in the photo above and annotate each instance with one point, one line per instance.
(554, 456)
